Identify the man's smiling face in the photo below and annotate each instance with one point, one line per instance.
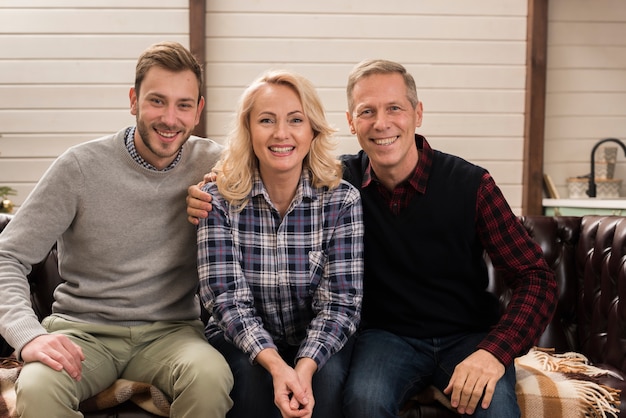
(167, 110)
(384, 122)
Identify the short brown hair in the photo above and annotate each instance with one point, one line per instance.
(170, 56)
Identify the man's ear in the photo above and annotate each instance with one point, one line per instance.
(132, 95)
(419, 110)
(201, 103)
(349, 117)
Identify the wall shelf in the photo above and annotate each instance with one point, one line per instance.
(588, 206)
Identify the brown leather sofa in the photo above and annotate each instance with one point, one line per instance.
(588, 255)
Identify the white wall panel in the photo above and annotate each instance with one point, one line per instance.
(354, 50)
(73, 47)
(92, 21)
(95, 4)
(46, 146)
(64, 121)
(359, 7)
(76, 96)
(344, 24)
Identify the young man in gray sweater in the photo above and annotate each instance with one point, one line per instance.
(127, 308)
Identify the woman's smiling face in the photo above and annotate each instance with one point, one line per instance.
(281, 134)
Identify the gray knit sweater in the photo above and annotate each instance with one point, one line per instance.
(126, 251)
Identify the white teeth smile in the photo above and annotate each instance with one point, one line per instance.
(385, 141)
(281, 149)
(167, 134)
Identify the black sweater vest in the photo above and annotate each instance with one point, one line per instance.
(425, 275)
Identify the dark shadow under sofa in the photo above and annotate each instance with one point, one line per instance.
(588, 255)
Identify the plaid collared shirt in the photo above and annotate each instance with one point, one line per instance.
(272, 282)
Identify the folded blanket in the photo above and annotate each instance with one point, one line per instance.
(563, 385)
(143, 395)
(9, 370)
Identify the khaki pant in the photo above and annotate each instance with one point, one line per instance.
(173, 356)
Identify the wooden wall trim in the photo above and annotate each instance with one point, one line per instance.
(535, 107)
(197, 46)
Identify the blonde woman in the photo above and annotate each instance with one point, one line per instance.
(281, 255)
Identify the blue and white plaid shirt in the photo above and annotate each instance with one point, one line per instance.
(272, 283)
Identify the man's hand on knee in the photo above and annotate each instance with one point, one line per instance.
(474, 378)
(55, 351)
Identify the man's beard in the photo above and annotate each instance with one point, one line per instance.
(144, 136)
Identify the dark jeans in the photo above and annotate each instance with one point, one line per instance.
(387, 370)
(253, 391)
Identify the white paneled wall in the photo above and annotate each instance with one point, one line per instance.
(468, 59)
(586, 85)
(66, 67)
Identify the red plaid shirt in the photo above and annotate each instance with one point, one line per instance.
(509, 247)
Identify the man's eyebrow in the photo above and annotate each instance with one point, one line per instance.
(163, 96)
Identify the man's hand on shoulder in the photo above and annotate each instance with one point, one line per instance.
(55, 351)
(199, 202)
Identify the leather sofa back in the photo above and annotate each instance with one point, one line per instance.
(600, 261)
(558, 238)
(588, 255)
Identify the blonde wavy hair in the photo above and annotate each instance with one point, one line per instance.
(236, 168)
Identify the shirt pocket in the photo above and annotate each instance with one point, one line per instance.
(317, 263)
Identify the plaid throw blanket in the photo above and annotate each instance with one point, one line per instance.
(563, 385)
(144, 395)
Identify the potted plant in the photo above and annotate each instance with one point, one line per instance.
(6, 205)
